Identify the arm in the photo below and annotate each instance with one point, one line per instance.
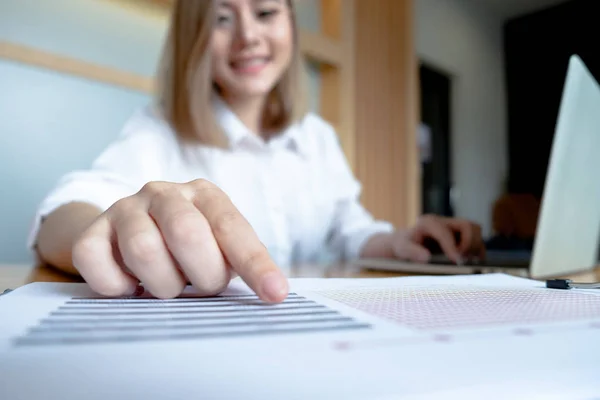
(59, 230)
(354, 232)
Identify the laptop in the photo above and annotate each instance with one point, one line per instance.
(568, 231)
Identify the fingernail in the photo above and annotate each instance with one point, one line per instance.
(459, 260)
(274, 286)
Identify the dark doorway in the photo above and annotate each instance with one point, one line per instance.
(537, 48)
(434, 140)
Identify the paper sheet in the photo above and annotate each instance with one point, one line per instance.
(332, 338)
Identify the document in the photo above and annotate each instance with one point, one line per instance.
(403, 338)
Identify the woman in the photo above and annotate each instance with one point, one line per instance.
(225, 174)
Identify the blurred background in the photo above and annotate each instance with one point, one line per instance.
(443, 106)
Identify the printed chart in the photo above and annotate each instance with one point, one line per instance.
(89, 320)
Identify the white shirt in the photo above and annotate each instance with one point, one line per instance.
(296, 190)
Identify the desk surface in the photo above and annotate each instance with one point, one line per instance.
(13, 276)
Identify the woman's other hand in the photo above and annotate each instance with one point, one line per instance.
(410, 244)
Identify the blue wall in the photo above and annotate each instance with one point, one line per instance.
(52, 123)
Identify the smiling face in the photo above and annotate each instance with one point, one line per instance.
(248, 49)
(251, 46)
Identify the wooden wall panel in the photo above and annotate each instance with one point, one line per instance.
(386, 113)
(337, 81)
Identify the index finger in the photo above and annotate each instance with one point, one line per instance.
(467, 236)
(240, 244)
(444, 236)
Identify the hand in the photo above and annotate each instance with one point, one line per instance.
(410, 244)
(167, 234)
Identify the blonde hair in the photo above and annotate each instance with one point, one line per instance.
(184, 81)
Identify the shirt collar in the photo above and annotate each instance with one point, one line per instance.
(239, 135)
